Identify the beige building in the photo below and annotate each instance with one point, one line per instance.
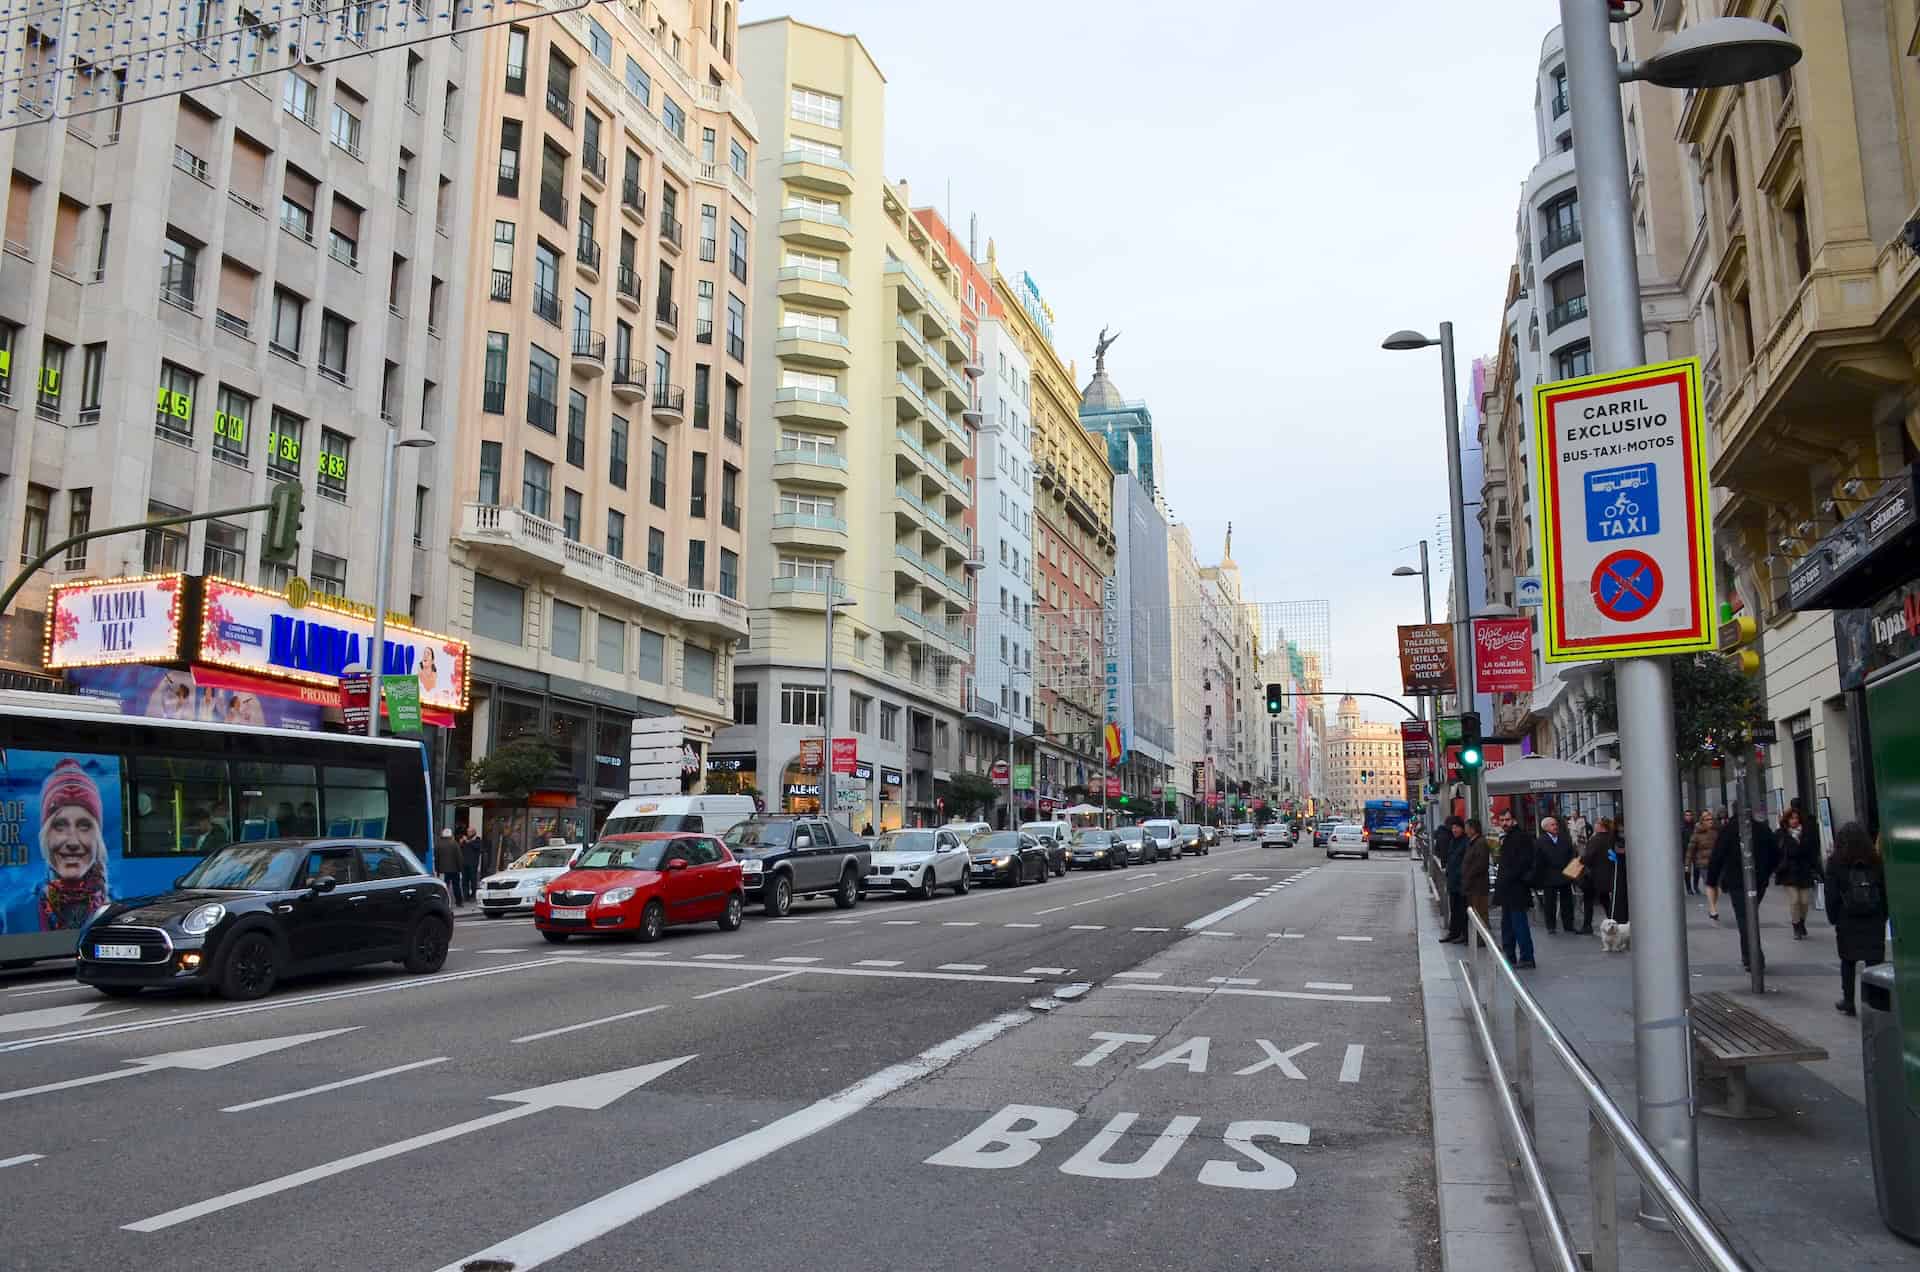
(1363, 760)
(860, 375)
(598, 549)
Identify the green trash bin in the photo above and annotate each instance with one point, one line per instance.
(1893, 1125)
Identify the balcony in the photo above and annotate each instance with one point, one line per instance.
(494, 397)
(630, 381)
(812, 406)
(526, 540)
(542, 412)
(709, 249)
(666, 315)
(669, 402)
(633, 200)
(589, 352)
(560, 106)
(811, 227)
(826, 288)
(811, 467)
(802, 592)
(586, 254)
(715, 613)
(703, 331)
(1569, 310)
(671, 232)
(508, 183)
(593, 166)
(626, 287)
(546, 305)
(1558, 237)
(811, 170)
(1559, 105)
(554, 203)
(731, 425)
(502, 285)
(807, 530)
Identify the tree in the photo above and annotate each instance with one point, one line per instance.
(1714, 707)
(968, 793)
(515, 770)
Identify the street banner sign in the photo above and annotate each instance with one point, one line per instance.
(1415, 738)
(1023, 777)
(356, 698)
(1503, 654)
(1627, 539)
(1426, 658)
(1113, 788)
(402, 696)
(846, 755)
(811, 752)
(999, 772)
(1449, 730)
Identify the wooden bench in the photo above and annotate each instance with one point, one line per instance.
(1730, 1037)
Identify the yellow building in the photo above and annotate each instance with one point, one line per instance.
(1363, 760)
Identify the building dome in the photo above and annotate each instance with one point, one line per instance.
(1100, 393)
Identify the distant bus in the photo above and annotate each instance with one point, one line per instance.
(1388, 823)
(97, 807)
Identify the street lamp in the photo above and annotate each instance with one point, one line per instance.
(1715, 53)
(1426, 598)
(826, 709)
(377, 657)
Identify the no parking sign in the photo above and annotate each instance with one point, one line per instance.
(1626, 539)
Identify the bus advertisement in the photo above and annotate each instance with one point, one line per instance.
(1388, 823)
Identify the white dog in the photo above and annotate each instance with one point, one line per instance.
(1615, 938)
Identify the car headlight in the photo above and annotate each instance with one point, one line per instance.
(201, 921)
(1099, 852)
(614, 896)
(750, 865)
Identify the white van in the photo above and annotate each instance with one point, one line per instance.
(1057, 831)
(711, 814)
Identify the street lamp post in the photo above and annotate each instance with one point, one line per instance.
(1426, 600)
(1013, 802)
(383, 574)
(1714, 53)
(826, 708)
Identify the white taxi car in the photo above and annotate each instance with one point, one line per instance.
(1277, 834)
(516, 887)
(918, 863)
(1347, 840)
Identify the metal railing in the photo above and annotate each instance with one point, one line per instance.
(1557, 237)
(1610, 1131)
(1569, 310)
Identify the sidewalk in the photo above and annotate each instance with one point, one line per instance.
(1793, 1192)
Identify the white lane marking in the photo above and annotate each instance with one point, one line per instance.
(1021, 925)
(1224, 912)
(797, 958)
(1214, 932)
(569, 1231)
(57, 989)
(1152, 929)
(969, 923)
(963, 967)
(792, 920)
(1087, 927)
(54, 1017)
(901, 922)
(1350, 1067)
(1257, 993)
(21, 1160)
(456, 949)
(720, 958)
(200, 1060)
(881, 968)
(1050, 910)
(644, 954)
(1097, 900)
(1288, 936)
(1255, 980)
(734, 989)
(1338, 985)
(1046, 971)
(333, 1086)
(841, 922)
(1140, 975)
(273, 1004)
(589, 1024)
(591, 1093)
(508, 949)
(878, 962)
(1353, 938)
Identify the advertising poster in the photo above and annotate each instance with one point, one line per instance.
(1426, 658)
(846, 755)
(402, 696)
(60, 837)
(121, 621)
(1503, 655)
(182, 694)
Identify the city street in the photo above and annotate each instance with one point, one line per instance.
(1215, 1062)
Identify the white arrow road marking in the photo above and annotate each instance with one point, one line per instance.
(596, 1218)
(21, 1160)
(201, 1059)
(588, 1024)
(1350, 1067)
(593, 1092)
(54, 1017)
(332, 1086)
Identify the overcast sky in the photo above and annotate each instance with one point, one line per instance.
(1254, 192)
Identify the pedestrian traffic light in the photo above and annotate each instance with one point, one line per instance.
(282, 543)
(1470, 745)
(1274, 696)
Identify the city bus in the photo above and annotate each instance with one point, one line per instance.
(97, 806)
(1388, 823)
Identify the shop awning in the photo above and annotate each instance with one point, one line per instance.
(1539, 775)
(1868, 554)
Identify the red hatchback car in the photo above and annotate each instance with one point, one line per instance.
(638, 884)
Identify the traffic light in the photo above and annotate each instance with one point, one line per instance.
(1470, 746)
(282, 544)
(1274, 697)
(1737, 633)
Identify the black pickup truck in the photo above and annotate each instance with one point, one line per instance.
(783, 857)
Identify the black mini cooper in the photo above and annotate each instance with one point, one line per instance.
(251, 914)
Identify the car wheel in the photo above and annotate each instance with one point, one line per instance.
(777, 899)
(427, 945)
(1366, 856)
(847, 895)
(929, 886)
(736, 910)
(653, 921)
(963, 883)
(252, 968)
(119, 991)
(556, 938)
(1061, 868)
(1040, 875)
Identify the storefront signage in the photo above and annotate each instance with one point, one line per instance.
(803, 790)
(255, 630)
(863, 772)
(133, 620)
(739, 762)
(890, 783)
(1426, 658)
(846, 754)
(1864, 555)
(1110, 648)
(1894, 628)
(1503, 655)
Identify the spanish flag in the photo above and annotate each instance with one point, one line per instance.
(1116, 748)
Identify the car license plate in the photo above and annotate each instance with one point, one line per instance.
(116, 951)
(569, 912)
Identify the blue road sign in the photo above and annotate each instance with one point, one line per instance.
(1623, 502)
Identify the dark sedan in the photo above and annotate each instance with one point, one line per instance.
(1007, 856)
(1096, 850)
(252, 914)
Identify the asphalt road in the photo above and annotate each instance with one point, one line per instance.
(1211, 1063)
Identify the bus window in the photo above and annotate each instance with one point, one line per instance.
(180, 806)
(355, 802)
(275, 800)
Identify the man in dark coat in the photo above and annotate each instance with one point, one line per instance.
(1556, 890)
(1513, 890)
(1727, 871)
(1452, 850)
(1474, 863)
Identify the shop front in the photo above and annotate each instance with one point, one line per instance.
(734, 773)
(891, 803)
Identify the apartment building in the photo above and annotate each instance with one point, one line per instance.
(207, 292)
(1191, 674)
(1363, 760)
(856, 470)
(598, 551)
(1074, 550)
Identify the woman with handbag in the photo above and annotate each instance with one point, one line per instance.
(1593, 866)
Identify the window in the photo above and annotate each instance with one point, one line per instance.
(889, 722)
(79, 521)
(702, 375)
(560, 87)
(301, 99)
(652, 663)
(673, 117)
(657, 478)
(517, 61)
(616, 535)
(93, 374)
(859, 712)
(696, 565)
(296, 217)
(536, 486)
(617, 453)
(746, 702)
(599, 43)
(696, 671)
(499, 610)
(566, 631)
(730, 496)
(576, 428)
(730, 408)
(225, 553)
(816, 447)
(543, 387)
(1799, 241)
(708, 141)
(736, 328)
(737, 158)
(494, 399)
(802, 704)
(422, 503)
(329, 574)
(546, 282)
(610, 644)
(345, 132)
(507, 184)
(501, 287)
(334, 449)
(336, 334)
(570, 514)
(737, 250)
(698, 484)
(703, 312)
(808, 509)
(173, 404)
(166, 546)
(283, 445)
(811, 107)
(289, 318)
(179, 264)
(490, 473)
(233, 409)
(1562, 218)
(591, 156)
(729, 573)
(657, 552)
(553, 182)
(33, 535)
(639, 83)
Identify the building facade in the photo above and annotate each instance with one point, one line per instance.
(1363, 759)
(598, 546)
(1191, 673)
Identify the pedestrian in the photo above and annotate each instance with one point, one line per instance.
(447, 858)
(1556, 890)
(1700, 849)
(1689, 869)
(1474, 872)
(1519, 868)
(1452, 851)
(1577, 827)
(470, 858)
(1856, 905)
(1799, 867)
(1727, 871)
(1606, 862)
(1809, 825)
